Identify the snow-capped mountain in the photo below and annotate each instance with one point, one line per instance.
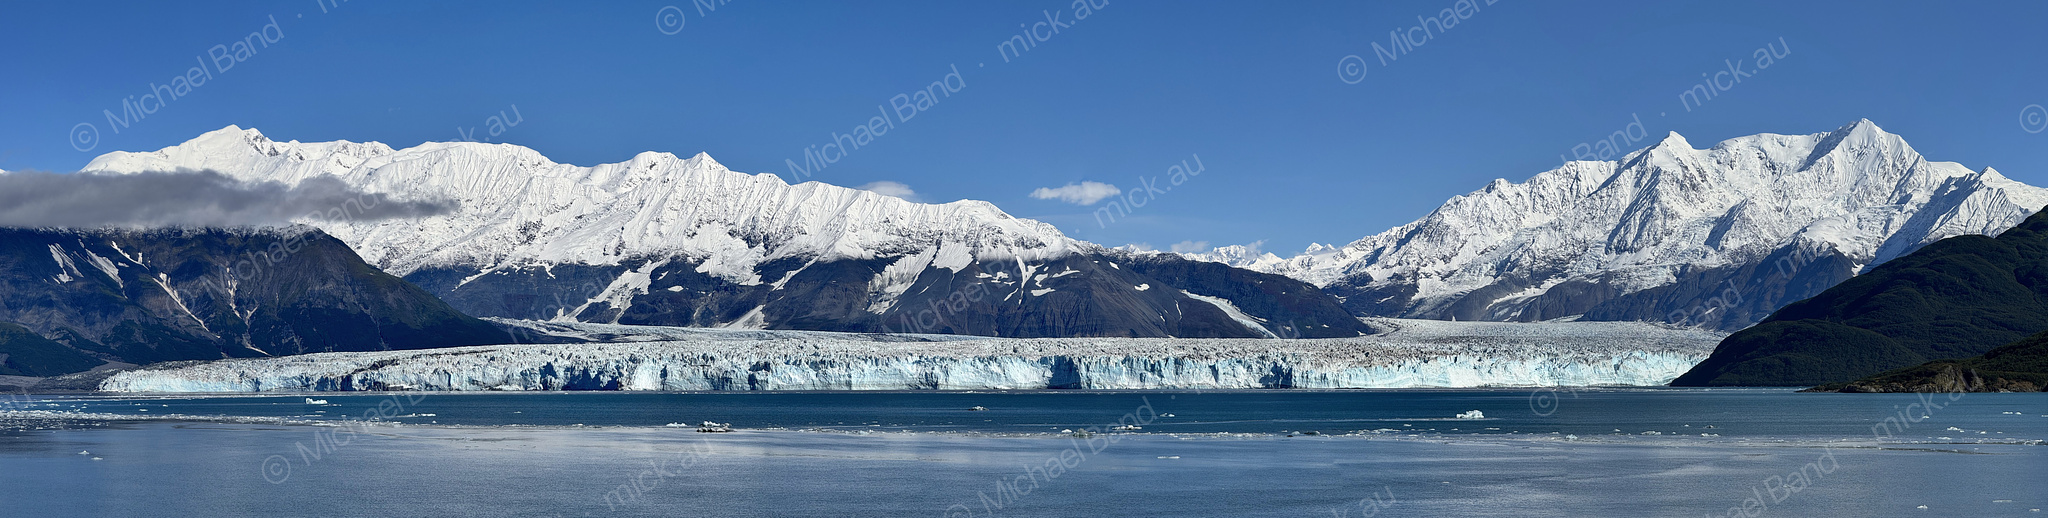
(1718, 237)
(664, 240)
(518, 207)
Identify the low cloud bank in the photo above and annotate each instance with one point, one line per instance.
(189, 198)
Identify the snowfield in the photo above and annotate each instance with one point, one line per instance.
(1407, 354)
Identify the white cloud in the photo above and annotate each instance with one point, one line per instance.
(887, 188)
(1190, 247)
(1084, 193)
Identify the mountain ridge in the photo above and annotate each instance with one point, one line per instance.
(1656, 233)
(659, 240)
(506, 181)
(1717, 238)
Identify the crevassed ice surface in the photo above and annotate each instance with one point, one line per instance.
(1411, 353)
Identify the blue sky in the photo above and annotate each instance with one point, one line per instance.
(1292, 152)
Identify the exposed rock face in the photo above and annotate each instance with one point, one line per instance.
(160, 295)
(1076, 295)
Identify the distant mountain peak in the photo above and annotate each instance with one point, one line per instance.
(1606, 231)
(1860, 125)
(1673, 140)
(229, 131)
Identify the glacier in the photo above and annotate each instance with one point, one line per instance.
(1402, 354)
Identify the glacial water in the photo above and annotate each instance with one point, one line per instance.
(1562, 452)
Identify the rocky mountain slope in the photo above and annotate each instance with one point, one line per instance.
(663, 240)
(1956, 298)
(1717, 237)
(161, 295)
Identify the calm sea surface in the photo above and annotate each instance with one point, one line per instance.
(1564, 452)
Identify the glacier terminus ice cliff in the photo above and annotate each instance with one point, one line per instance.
(1403, 354)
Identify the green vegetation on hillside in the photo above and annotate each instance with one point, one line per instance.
(23, 353)
(2020, 366)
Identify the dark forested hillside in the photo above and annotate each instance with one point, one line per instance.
(161, 295)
